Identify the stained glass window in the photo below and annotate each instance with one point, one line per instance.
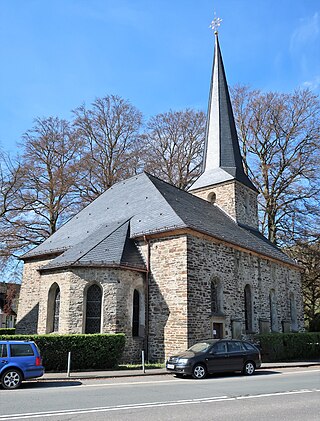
(273, 311)
(248, 308)
(93, 309)
(136, 312)
(56, 310)
(214, 298)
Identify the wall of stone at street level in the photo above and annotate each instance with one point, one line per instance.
(168, 318)
(117, 302)
(234, 269)
(28, 308)
(235, 199)
(182, 268)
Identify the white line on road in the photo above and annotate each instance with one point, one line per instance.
(61, 413)
(183, 380)
(112, 382)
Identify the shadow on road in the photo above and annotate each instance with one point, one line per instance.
(237, 375)
(49, 383)
(266, 372)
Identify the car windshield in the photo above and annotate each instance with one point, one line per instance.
(200, 347)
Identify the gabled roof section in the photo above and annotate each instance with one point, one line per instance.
(136, 199)
(222, 158)
(109, 245)
(202, 216)
(104, 232)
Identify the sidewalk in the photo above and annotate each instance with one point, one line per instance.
(157, 371)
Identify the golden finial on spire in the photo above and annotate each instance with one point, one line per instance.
(214, 25)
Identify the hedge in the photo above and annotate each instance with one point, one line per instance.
(7, 331)
(289, 346)
(95, 351)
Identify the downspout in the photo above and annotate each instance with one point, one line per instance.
(146, 340)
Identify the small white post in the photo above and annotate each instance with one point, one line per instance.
(142, 357)
(69, 364)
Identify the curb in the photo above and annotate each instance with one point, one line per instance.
(106, 375)
(84, 376)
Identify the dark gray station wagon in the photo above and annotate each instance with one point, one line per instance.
(214, 356)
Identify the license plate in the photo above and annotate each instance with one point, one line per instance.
(170, 366)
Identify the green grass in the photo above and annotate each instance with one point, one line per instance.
(139, 366)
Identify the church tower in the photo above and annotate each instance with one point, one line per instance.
(223, 181)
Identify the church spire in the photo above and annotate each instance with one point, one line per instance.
(222, 158)
(223, 180)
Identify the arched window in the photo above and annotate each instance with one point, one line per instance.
(53, 310)
(293, 313)
(212, 197)
(248, 308)
(273, 311)
(136, 313)
(247, 203)
(93, 309)
(56, 310)
(216, 297)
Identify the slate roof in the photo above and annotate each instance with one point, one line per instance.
(103, 233)
(222, 158)
(109, 245)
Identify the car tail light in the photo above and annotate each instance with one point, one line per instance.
(38, 361)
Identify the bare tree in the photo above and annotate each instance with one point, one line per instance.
(280, 142)
(11, 293)
(308, 256)
(110, 133)
(11, 179)
(173, 146)
(46, 196)
(11, 182)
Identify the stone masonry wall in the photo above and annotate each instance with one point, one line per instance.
(181, 270)
(117, 302)
(168, 318)
(28, 308)
(235, 199)
(236, 269)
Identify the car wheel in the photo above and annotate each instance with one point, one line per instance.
(199, 371)
(11, 379)
(249, 368)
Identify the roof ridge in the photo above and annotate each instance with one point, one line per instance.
(99, 242)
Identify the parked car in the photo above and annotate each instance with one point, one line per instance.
(214, 356)
(19, 360)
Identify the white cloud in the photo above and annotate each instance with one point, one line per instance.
(313, 84)
(307, 32)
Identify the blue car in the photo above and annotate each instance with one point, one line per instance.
(19, 360)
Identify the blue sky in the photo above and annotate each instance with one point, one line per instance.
(57, 54)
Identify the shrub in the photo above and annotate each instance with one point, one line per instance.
(96, 351)
(314, 325)
(289, 346)
(7, 331)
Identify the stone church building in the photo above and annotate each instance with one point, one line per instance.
(165, 266)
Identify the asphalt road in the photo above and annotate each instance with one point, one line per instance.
(286, 394)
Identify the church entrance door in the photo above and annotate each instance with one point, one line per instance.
(217, 330)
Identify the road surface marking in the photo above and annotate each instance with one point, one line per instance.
(68, 412)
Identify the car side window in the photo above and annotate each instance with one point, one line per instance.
(3, 351)
(21, 350)
(249, 347)
(220, 348)
(235, 346)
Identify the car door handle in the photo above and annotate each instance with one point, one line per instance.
(4, 362)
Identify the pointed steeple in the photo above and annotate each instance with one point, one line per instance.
(222, 158)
